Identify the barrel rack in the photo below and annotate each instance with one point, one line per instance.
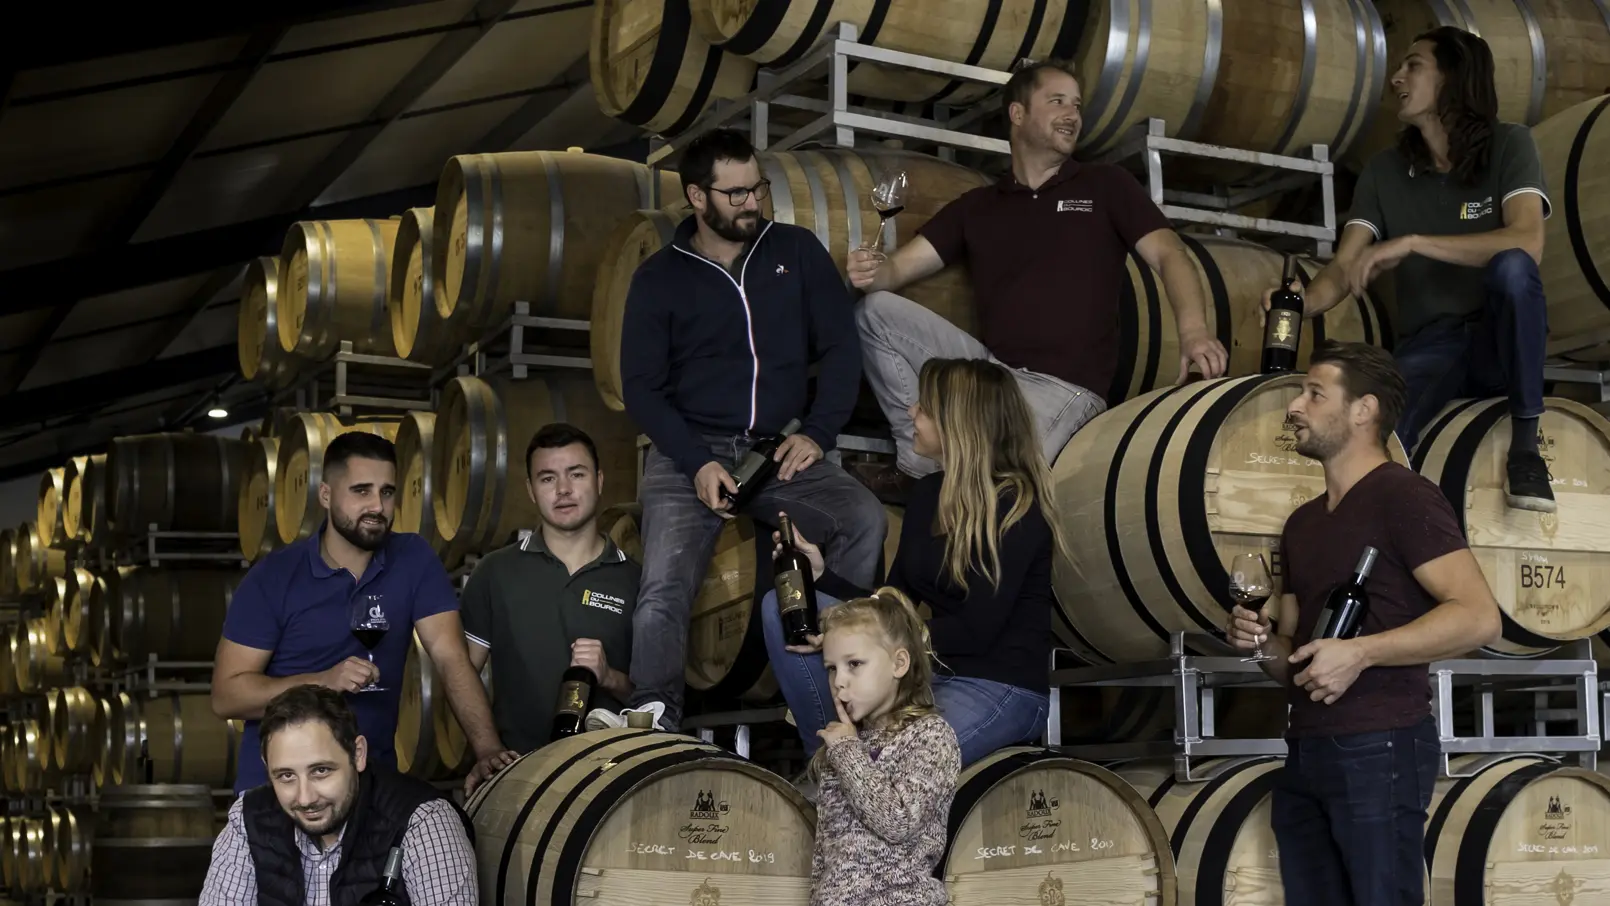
(839, 122)
(551, 343)
(349, 381)
(1195, 676)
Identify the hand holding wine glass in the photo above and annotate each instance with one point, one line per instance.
(889, 199)
(369, 626)
(1251, 587)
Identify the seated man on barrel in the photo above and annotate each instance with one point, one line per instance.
(321, 830)
(1457, 208)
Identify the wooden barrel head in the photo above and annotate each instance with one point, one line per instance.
(410, 292)
(52, 490)
(415, 511)
(415, 739)
(637, 237)
(1576, 250)
(638, 817)
(334, 276)
(1033, 827)
(262, 358)
(651, 68)
(259, 529)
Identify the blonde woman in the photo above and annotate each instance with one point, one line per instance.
(975, 548)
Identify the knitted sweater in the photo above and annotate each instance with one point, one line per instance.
(881, 810)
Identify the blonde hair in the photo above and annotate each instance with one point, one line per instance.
(895, 618)
(991, 448)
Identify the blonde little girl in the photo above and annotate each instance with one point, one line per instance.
(887, 769)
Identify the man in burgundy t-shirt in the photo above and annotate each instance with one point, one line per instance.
(1046, 247)
(1349, 808)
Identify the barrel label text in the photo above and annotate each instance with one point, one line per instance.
(1542, 576)
(651, 849)
(1542, 849)
(709, 834)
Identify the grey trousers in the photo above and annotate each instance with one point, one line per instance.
(898, 336)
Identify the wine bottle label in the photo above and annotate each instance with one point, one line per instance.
(1283, 330)
(1324, 624)
(573, 698)
(790, 591)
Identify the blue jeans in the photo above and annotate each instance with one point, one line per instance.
(987, 716)
(1498, 353)
(1349, 816)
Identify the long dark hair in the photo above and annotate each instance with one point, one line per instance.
(1467, 104)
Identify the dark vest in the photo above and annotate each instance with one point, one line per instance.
(379, 818)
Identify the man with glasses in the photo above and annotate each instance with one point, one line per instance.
(721, 330)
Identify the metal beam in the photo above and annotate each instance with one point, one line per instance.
(95, 391)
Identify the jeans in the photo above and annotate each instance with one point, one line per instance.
(1498, 353)
(987, 716)
(898, 336)
(1349, 816)
(679, 535)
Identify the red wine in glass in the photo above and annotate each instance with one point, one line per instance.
(369, 638)
(369, 625)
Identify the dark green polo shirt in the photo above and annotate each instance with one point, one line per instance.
(1393, 200)
(523, 605)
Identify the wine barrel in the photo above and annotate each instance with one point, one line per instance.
(8, 670)
(152, 843)
(66, 848)
(531, 226)
(8, 562)
(37, 666)
(1518, 828)
(1233, 275)
(1228, 74)
(31, 763)
(176, 614)
(416, 498)
(1549, 571)
(52, 501)
(118, 726)
(1172, 485)
(187, 742)
(1219, 828)
(332, 287)
(430, 743)
(85, 516)
(482, 428)
(258, 527)
(36, 562)
(257, 332)
(81, 617)
(650, 68)
(176, 482)
(994, 35)
(28, 856)
(422, 329)
(70, 472)
(8, 828)
(1547, 57)
(300, 469)
(827, 192)
(1030, 826)
(610, 816)
(1573, 145)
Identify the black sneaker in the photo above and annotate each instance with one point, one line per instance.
(1528, 487)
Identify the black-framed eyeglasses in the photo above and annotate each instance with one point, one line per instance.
(741, 194)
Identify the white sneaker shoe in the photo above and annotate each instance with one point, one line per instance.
(599, 719)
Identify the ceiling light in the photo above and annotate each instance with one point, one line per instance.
(218, 412)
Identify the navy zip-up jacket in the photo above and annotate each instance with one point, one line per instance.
(705, 353)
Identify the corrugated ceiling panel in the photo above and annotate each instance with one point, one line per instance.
(52, 223)
(101, 312)
(412, 151)
(126, 66)
(229, 188)
(16, 330)
(213, 327)
(373, 25)
(517, 54)
(73, 359)
(577, 121)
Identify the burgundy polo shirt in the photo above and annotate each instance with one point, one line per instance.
(1048, 266)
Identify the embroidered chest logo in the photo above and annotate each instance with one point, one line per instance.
(602, 601)
(1475, 210)
(1080, 205)
(781, 270)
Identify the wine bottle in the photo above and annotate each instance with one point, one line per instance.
(796, 589)
(575, 700)
(1349, 603)
(1283, 327)
(757, 467)
(390, 889)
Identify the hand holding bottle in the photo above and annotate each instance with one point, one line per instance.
(712, 480)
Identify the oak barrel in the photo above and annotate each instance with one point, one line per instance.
(1547, 57)
(153, 843)
(635, 816)
(416, 509)
(31, 762)
(1168, 487)
(35, 562)
(8, 561)
(482, 428)
(1573, 145)
(531, 226)
(1523, 828)
(300, 469)
(257, 332)
(176, 614)
(333, 276)
(1030, 826)
(1224, 847)
(258, 528)
(186, 742)
(651, 68)
(8, 671)
(1233, 275)
(179, 482)
(81, 617)
(85, 516)
(52, 501)
(1549, 571)
(71, 470)
(66, 847)
(422, 330)
(1277, 76)
(36, 665)
(430, 742)
(118, 726)
(28, 856)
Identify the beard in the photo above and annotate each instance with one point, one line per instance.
(1317, 446)
(360, 534)
(336, 815)
(740, 227)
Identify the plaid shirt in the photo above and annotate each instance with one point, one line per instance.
(438, 866)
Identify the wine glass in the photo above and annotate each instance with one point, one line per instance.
(888, 199)
(369, 626)
(1251, 587)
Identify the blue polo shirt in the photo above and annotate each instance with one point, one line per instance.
(293, 604)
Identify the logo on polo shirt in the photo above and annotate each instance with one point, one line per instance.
(1475, 210)
(603, 601)
(1081, 205)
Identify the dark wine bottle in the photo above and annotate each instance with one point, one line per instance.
(1283, 327)
(757, 467)
(575, 700)
(389, 893)
(1349, 603)
(796, 589)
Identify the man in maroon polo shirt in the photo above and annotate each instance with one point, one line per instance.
(1046, 248)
